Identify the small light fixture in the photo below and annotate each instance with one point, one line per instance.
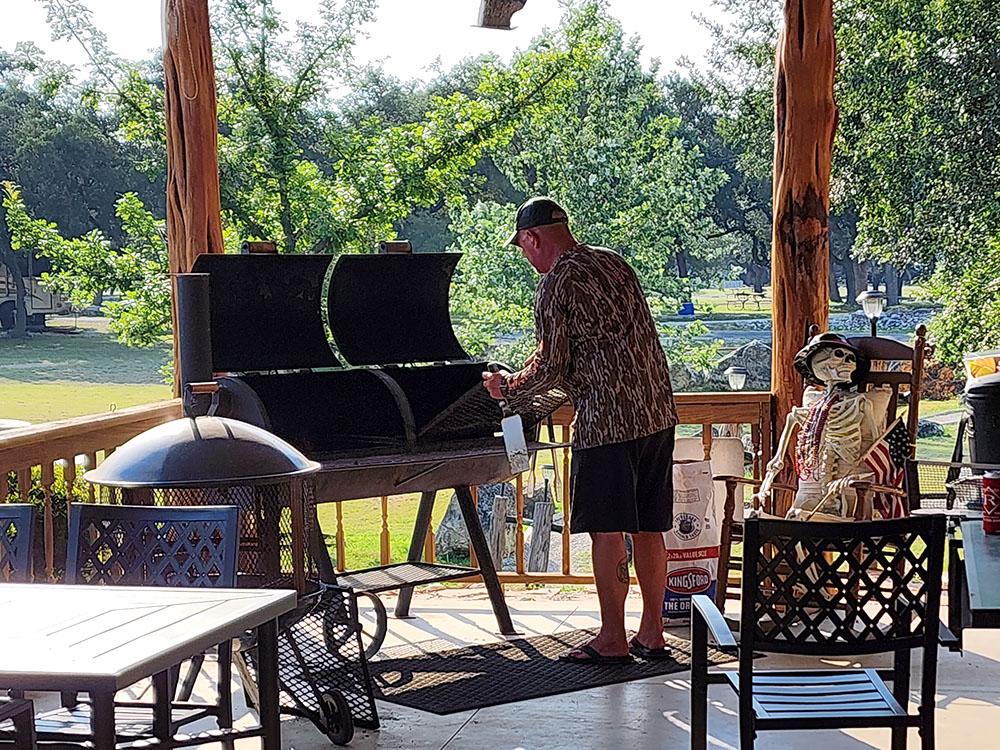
(496, 14)
(737, 377)
(872, 303)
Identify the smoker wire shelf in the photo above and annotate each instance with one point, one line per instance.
(322, 670)
(390, 577)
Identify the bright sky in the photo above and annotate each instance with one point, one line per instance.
(407, 36)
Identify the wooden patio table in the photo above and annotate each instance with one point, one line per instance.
(101, 639)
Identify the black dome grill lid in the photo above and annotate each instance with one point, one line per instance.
(392, 309)
(202, 452)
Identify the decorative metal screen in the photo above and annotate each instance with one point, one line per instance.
(142, 546)
(16, 526)
(832, 588)
(266, 530)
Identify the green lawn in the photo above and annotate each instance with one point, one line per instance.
(363, 527)
(58, 399)
(719, 304)
(70, 372)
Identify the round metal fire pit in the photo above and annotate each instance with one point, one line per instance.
(217, 461)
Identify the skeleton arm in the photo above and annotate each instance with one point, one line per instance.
(796, 417)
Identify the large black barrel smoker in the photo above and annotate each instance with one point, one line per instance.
(205, 459)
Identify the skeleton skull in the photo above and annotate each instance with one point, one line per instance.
(834, 365)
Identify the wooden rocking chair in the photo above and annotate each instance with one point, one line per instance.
(896, 368)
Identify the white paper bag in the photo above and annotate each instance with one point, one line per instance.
(693, 543)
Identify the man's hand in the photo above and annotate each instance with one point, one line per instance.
(493, 382)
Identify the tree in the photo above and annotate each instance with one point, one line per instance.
(740, 208)
(604, 144)
(63, 154)
(89, 264)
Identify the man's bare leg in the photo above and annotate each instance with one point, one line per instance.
(650, 560)
(612, 578)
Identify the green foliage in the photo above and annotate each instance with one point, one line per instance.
(682, 346)
(88, 266)
(492, 293)
(970, 320)
(603, 144)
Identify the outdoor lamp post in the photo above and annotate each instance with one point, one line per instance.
(873, 303)
(737, 377)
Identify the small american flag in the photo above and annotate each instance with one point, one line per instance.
(885, 460)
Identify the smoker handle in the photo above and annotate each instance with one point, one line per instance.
(504, 406)
(203, 388)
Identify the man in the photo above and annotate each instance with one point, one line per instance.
(598, 342)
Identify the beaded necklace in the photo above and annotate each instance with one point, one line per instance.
(809, 446)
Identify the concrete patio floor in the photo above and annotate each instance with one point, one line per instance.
(641, 715)
(650, 713)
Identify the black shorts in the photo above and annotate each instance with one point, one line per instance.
(624, 486)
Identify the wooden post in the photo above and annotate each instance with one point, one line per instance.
(194, 220)
(805, 118)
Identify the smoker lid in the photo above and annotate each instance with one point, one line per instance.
(393, 308)
(202, 452)
(266, 311)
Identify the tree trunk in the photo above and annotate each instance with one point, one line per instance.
(194, 214)
(9, 261)
(892, 285)
(834, 285)
(287, 226)
(860, 273)
(805, 121)
(683, 273)
(850, 279)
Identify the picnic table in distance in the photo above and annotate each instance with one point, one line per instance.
(737, 293)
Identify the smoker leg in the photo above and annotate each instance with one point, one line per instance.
(420, 527)
(489, 573)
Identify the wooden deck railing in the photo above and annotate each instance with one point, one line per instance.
(45, 456)
(702, 410)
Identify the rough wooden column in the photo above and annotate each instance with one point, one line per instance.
(194, 222)
(805, 118)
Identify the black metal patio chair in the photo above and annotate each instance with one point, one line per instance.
(859, 588)
(130, 545)
(17, 525)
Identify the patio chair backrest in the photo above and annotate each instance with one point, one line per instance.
(132, 545)
(17, 524)
(841, 588)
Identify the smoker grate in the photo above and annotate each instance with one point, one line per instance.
(391, 577)
(476, 410)
(320, 651)
(266, 537)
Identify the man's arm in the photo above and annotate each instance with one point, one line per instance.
(547, 366)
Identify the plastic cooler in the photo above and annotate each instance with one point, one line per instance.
(982, 396)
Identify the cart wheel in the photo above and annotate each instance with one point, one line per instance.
(337, 717)
(373, 637)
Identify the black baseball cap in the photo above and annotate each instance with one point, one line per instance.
(537, 212)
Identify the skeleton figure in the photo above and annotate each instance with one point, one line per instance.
(837, 426)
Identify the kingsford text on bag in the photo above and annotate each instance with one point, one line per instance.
(693, 543)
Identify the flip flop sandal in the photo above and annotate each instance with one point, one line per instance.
(649, 654)
(587, 654)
